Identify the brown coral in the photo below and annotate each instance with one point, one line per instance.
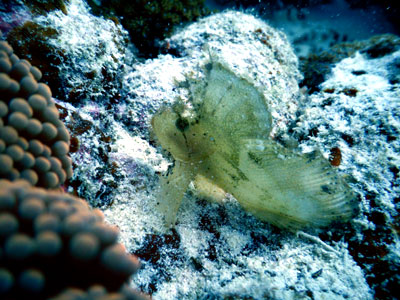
(52, 245)
(34, 143)
(50, 241)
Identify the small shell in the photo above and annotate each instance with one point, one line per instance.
(226, 141)
(335, 157)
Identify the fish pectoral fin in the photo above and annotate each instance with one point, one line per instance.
(206, 189)
(293, 190)
(172, 190)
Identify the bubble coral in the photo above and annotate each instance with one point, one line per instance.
(34, 143)
(53, 243)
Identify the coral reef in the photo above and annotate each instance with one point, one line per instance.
(357, 111)
(77, 68)
(44, 7)
(31, 41)
(148, 22)
(217, 250)
(34, 143)
(50, 241)
(317, 66)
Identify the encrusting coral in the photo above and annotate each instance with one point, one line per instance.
(223, 135)
(34, 143)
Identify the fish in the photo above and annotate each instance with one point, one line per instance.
(220, 139)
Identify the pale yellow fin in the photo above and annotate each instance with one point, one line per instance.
(234, 107)
(173, 188)
(292, 190)
(205, 189)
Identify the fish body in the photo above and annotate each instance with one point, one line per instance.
(224, 137)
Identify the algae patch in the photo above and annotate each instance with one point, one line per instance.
(222, 134)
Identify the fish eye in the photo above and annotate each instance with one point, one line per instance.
(182, 124)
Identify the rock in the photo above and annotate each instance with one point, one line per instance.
(357, 111)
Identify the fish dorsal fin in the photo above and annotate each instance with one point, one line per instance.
(232, 106)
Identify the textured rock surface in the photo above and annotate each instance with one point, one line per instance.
(358, 112)
(92, 50)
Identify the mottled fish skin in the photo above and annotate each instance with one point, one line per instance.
(224, 137)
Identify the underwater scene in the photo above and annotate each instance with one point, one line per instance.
(199, 149)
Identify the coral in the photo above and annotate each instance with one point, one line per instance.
(52, 244)
(87, 66)
(99, 292)
(31, 41)
(43, 7)
(50, 241)
(150, 21)
(357, 111)
(34, 143)
(218, 251)
(316, 67)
